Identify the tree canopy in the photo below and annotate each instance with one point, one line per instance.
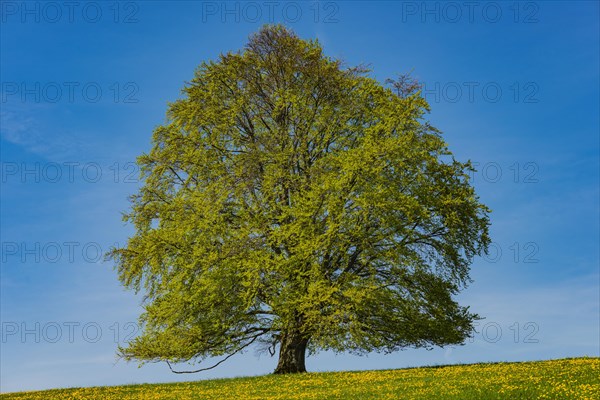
(292, 202)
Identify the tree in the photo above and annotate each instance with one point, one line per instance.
(292, 202)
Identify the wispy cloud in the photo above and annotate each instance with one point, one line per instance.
(36, 130)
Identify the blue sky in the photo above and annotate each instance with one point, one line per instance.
(514, 86)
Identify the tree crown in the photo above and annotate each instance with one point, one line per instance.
(289, 194)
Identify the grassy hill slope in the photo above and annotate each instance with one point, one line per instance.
(574, 378)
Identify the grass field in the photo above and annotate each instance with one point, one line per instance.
(574, 378)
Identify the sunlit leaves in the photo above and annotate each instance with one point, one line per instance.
(287, 192)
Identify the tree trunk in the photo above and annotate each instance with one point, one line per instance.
(292, 353)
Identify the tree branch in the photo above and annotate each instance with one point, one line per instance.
(217, 364)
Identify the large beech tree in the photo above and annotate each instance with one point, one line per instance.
(297, 204)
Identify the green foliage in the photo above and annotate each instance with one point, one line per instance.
(288, 193)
